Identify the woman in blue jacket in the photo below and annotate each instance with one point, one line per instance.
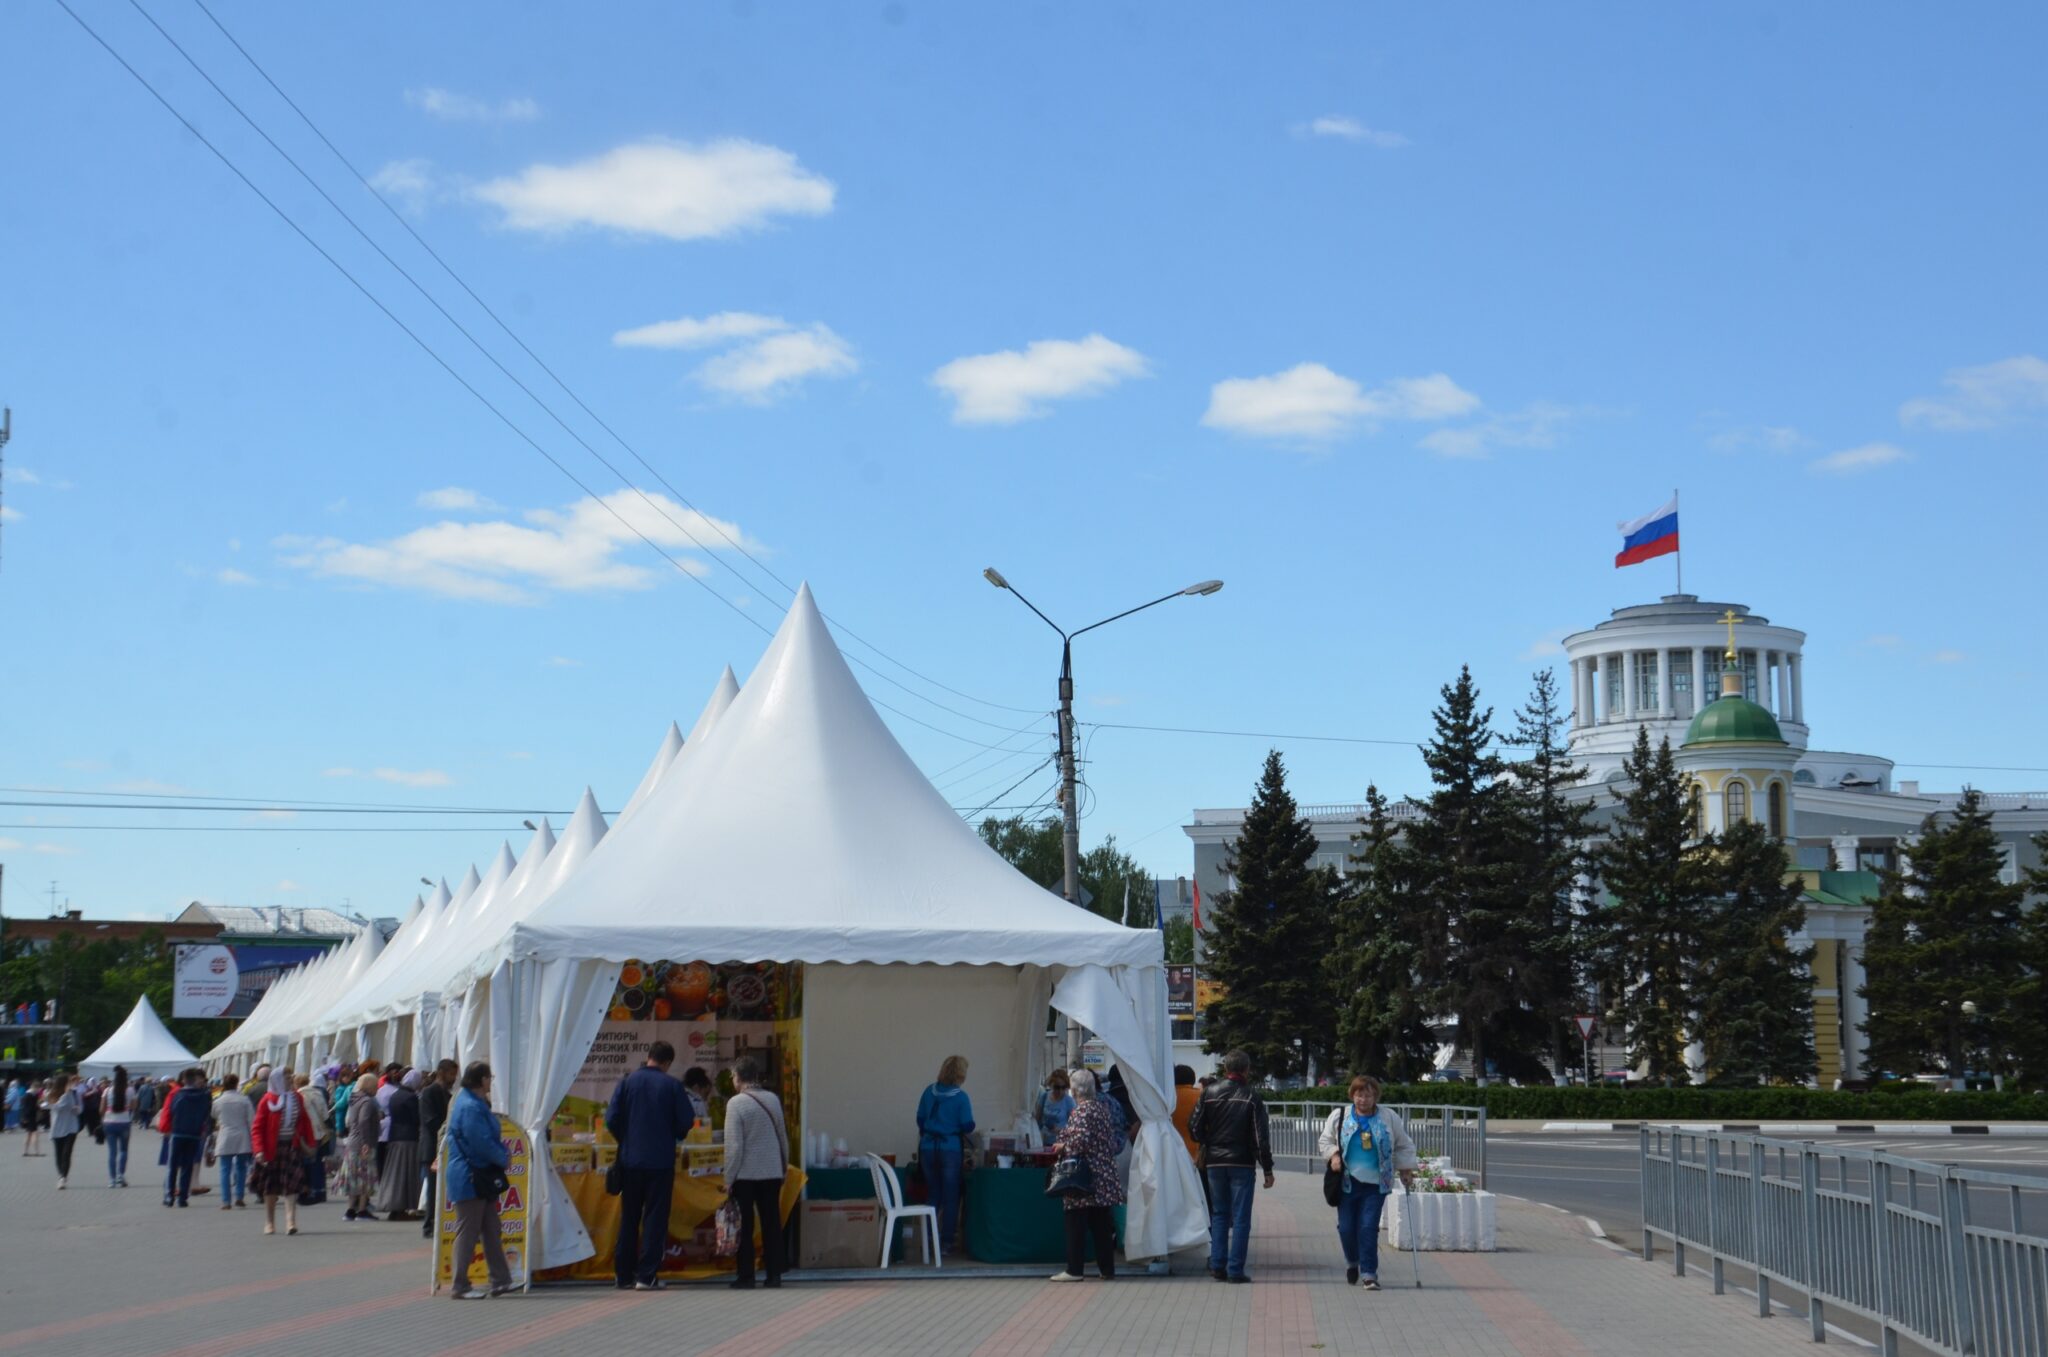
(474, 1145)
(945, 1118)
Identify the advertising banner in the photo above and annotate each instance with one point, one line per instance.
(712, 1015)
(512, 1219)
(216, 980)
(1180, 991)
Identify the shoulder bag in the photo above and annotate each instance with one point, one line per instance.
(1333, 1179)
(726, 1226)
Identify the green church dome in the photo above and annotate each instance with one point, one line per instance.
(1733, 720)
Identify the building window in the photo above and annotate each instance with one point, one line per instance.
(1644, 663)
(1777, 810)
(1749, 674)
(1735, 804)
(1805, 778)
(1681, 684)
(1612, 670)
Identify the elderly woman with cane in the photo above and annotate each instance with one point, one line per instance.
(1367, 1145)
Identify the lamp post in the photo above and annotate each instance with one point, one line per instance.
(1066, 716)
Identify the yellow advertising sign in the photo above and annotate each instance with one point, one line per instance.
(512, 1217)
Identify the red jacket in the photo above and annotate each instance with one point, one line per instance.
(270, 1117)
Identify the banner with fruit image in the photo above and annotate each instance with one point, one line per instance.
(713, 1014)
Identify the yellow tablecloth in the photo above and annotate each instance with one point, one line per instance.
(693, 1204)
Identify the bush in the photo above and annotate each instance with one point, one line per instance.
(1549, 1103)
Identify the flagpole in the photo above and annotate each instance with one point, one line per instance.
(1678, 556)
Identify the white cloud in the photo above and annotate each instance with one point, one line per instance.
(696, 333)
(767, 368)
(454, 497)
(10, 514)
(424, 777)
(411, 180)
(563, 662)
(1350, 129)
(1868, 457)
(232, 576)
(1310, 402)
(337, 772)
(55, 850)
(1769, 437)
(1983, 397)
(1549, 644)
(1884, 640)
(149, 786)
(576, 549)
(23, 476)
(680, 190)
(452, 107)
(289, 885)
(1948, 657)
(1012, 385)
(519, 754)
(1536, 426)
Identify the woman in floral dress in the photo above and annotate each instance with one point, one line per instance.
(359, 1147)
(1091, 1134)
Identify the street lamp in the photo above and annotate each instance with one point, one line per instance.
(1066, 715)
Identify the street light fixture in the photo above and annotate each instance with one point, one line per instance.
(1072, 837)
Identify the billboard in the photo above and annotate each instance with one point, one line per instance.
(217, 980)
(1180, 991)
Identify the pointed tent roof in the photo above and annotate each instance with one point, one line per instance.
(143, 1044)
(803, 832)
(335, 1006)
(585, 830)
(721, 697)
(427, 974)
(671, 745)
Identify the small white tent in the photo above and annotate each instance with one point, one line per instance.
(141, 1045)
(801, 832)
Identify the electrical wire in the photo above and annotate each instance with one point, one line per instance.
(735, 543)
(447, 367)
(282, 829)
(1006, 791)
(249, 810)
(273, 802)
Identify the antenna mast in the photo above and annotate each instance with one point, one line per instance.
(6, 432)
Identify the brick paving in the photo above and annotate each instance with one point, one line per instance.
(113, 1273)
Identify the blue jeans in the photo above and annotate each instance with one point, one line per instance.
(1230, 1218)
(1358, 1226)
(182, 1155)
(942, 1175)
(234, 1177)
(117, 1149)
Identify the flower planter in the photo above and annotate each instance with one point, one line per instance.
(1461, 1222)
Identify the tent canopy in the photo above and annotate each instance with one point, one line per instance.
(803, 832)
(141, 1045)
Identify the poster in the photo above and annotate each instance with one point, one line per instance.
(512, 1218)
(713, 1014)
(1180, 991)
(1207, 992)
(215, 980)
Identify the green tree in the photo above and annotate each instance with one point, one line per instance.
(1754, 991)
(1375, 962)
(1647, 937)
(1180, 941)
(1943, 932)
(1264, 940)
(2030, 1000)
(1548, 829)
(96, 985)
(1037, 848)
(1466, 879)
(1113, 876)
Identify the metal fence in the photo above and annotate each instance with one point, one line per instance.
(1455, 1133)
(1908, 1244)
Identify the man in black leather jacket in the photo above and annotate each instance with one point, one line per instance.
(1229, 1123)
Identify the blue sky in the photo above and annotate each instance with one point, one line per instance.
(1384, 317)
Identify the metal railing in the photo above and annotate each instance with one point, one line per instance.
(1907, 1244)
(1440, 1131)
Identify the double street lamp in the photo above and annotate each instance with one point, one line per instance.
(1066, 714)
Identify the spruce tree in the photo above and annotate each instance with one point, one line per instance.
(1466, 880)
(1755, 995)
(2030, 999)
(1548, 829)
(1266, 938)
(1648, 934)
(1945, 931)
(1382, 1021)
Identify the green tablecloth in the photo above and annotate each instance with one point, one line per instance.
(842, 1185)
(1011, 1220)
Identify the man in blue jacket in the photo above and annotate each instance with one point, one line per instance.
(649, 1113)
(191, 1112)
(474, 1145)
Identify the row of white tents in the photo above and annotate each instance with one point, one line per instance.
(788, 826)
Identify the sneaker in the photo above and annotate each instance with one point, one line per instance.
(656, 1285)
(241, 1205)
(623, 1286)
(501, 1290)
(63, 1183)
(1370, 1283)
(227, 1206)
(472, 1293)
(1217, 1274)
(1240, 1279)
(1064, 1277)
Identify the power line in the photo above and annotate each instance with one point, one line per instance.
(464, 382)
(1007, 790)
(271, 802)
(281, 829)
(250, 810)
(735, 543)
(1248, 734)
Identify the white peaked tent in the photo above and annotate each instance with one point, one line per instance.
(142, 1045)
(436, 1012)
(671, 745)
(801, 832)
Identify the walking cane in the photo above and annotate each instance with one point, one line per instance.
(1414, 1232)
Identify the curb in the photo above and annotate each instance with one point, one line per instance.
(1813, 1128)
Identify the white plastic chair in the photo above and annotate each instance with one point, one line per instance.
(889, 1193)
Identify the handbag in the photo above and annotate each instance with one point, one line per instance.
(615, 1179)
(1070, 1177)
(726, 1229)
(1333, 1186)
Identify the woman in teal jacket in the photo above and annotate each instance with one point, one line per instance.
(474, 1145)
(945, 1118)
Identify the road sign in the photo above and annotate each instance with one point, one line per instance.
(1585, 1021)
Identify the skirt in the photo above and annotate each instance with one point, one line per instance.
(399, 1187)
(357, 1176)
(282, 1177)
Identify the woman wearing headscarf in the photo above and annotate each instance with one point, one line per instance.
(281, 1133)
(398, 1186)
(359, 1147)
(117, 1116)
(313, 1092)
(1091, 1136)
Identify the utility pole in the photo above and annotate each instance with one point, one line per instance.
(6, 432)
(1069, 808)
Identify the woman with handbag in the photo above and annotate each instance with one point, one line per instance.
(756, 1158)
(474, 1170)
(1085, 1176)
(1363, 1145)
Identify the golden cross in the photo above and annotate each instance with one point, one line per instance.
(1731, 619)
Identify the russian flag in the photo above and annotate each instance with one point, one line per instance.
(1650, 536)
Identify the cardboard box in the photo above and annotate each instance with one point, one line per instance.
(841, 1234)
